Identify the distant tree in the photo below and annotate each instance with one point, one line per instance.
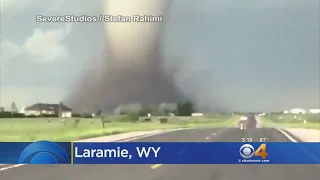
(185, 108)
(98, 113)
(14, 108)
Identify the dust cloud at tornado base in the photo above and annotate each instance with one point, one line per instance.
(132, 70)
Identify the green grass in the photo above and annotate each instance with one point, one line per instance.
(292, 121)
(33, 129)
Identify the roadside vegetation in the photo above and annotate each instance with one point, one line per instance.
(58, 129)
(309, 121)
(19, 127)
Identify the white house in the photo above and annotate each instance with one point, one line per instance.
(197, 114)
(41, 108)
(298, 111)
(314, 111)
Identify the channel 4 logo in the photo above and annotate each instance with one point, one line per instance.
(43, 152)
(247, 151)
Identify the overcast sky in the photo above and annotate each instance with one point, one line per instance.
(261, 54)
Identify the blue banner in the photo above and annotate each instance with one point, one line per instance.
(45, 152)
(40, 152)
(196, 153)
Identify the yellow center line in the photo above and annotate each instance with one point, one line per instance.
(155, 166)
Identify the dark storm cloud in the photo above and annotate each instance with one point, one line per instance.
(244, 55)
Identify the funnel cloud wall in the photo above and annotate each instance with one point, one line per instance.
(132, 70)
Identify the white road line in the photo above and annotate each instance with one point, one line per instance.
(293, 140)
(213, 134)
(10, 167)
(287, 135)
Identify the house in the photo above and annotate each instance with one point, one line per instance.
(49, 109)
(314, 111)
(297, 111)
(197, 114)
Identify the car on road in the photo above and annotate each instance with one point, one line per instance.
(251, 122)
(248, 121)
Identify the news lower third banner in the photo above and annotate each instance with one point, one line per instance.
(46, 152)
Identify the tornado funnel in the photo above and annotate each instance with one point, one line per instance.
(133, 72)
(132, 43)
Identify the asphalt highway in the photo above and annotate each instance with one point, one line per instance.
(176, 172)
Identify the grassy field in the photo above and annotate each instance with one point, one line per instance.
(292, 121)
(55, 129)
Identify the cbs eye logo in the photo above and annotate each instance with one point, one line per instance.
(247, 151)
(43, 152)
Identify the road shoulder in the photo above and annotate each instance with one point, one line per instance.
(305, 135)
